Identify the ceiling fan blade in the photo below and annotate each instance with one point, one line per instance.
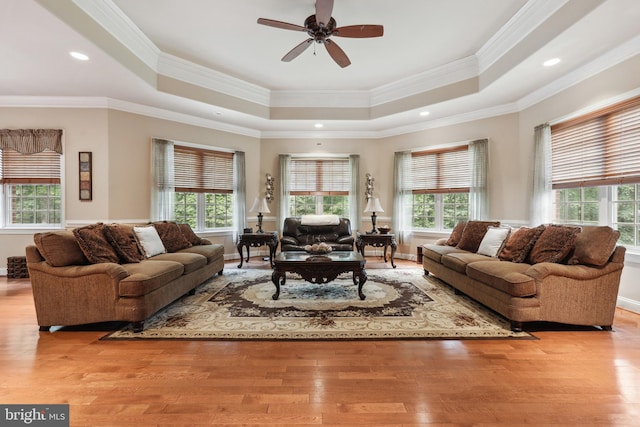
(324, 8)
(280, 24)
(296, 51)
(337, 53)
(359, 31)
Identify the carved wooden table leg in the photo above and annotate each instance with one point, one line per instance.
(278, 278)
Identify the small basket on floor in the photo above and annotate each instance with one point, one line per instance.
(17, 267)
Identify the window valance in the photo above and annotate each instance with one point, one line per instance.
(31, 141)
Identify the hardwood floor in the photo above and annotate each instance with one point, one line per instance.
(567, 377)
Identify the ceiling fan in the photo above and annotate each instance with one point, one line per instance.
(320, 27)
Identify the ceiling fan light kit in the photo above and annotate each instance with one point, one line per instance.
(320, 27)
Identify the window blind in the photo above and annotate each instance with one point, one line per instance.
(202, 171)
(324, 177)
(34, 168)
(602, 148)
(441, 171)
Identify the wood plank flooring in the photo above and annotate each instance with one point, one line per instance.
(566, 378)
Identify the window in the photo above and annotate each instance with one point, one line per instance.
(30, 171)
(319, 186)
(440, 181)
(203, 187)
(596, 169)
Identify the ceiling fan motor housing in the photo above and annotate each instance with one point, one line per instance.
(317, 32)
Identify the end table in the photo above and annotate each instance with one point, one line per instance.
(269, 239)
(377, 240)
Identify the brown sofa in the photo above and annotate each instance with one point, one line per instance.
(336, 232)
(562, 274)
(100, 273)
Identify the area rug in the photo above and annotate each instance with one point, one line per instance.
(399, 304)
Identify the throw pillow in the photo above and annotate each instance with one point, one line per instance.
(94, 244)
(149, 240)
(594, 246)
(59, 248)
(554, 244)
(493, 241)
(123, 240)
(519, 243)
(171, 236)
(473, 233)
(456, 234)
(190, 235)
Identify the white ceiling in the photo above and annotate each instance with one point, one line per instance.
(209, 63)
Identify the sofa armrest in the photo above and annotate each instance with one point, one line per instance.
(346, 239)
(109, 269)
(577, 272)
(288, 240)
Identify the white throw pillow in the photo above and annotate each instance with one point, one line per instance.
(493, 241)
(149, 240)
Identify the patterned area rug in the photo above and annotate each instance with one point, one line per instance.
(399, 304)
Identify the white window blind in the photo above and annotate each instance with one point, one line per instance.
(33, 168)
(602, 148)
(311, 177)
(202, 171)
(441, 171)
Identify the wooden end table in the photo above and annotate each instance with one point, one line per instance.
(319, 268)
(269, 239)
(377, 240)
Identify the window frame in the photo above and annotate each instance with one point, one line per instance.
(5, 200)
(312, 183)
(442, 182)
(186, 185)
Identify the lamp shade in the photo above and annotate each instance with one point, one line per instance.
(373, 205)
(260, 205)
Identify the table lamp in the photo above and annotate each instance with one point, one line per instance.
(373, 205)
(260, 205)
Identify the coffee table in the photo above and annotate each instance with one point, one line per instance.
(319, 268)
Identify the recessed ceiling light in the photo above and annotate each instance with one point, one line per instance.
(551, 62)
(318, 125)
(424, 113)
(79, 56)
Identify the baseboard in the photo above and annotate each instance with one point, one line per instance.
(629, 304)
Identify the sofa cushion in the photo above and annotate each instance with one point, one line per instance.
(147, 276)
(94, 244)
(507, 277)
(149, 240)
(554, 244)
(123, 240)
(456, 234)
(189, 234)
(172, 237)
(190, 261)
(59, 248)
(594, 246)
(473, 233)
(493, 241)
(458, 261)
(212, 252)
(435, 252)
(519, 243)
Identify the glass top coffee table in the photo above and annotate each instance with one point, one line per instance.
(319, 268)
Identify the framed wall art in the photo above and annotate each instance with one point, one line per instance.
(85, 168)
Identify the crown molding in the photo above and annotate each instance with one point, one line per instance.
(485, 113)
(160, 113)
(321, 99)
(120, 26)
(608, 60)
(527, 19)
(199, 75)
(450, 73)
